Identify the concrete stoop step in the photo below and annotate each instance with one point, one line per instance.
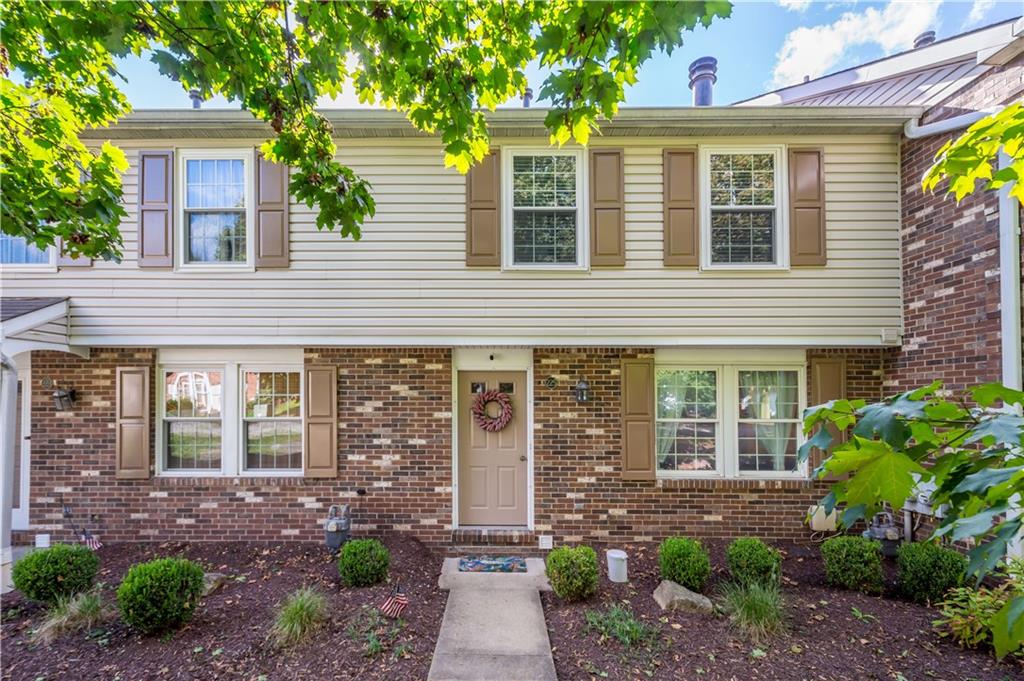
(493, 627)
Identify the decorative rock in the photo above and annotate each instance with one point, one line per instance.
(213, 581)
(672, 596)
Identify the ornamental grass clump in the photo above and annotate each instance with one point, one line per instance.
(754, 608)
(160, 595)
(685, 562)
(853, 563)
(926, 571)
(572, 571)
(302, 613)
(363, 562)
(56, 573)
(751, 561)
(83, 611)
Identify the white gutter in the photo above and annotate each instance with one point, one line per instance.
(913, 129)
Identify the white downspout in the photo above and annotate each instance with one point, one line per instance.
(8, 414)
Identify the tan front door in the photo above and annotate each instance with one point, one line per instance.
(492, 466)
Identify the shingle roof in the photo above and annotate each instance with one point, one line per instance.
(16, 307)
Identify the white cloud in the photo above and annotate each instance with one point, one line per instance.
(814, 50)
(978, 11)
(795, 5)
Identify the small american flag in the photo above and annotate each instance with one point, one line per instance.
(91, 540)
(396, 603)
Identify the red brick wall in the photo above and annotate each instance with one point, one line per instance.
(395, 442)
(951, 259)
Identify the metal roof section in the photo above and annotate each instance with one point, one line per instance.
(920, 77)
(630, 122)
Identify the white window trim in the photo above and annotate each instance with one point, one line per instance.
(781, 207)
(727, 449)
(281, 472)
(720, 421)
(232, 455)
(248, 156)
(48, 267)
(582, 209)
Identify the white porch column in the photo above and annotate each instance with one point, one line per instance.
(8, 411)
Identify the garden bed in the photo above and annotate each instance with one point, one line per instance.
(831, 633)
(228, 638)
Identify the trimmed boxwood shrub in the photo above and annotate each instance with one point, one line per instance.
(572, 571)
(160, 595)
(685, 562)
(853, 563)
(927, 571)
(751, 561)
(60, 571)
(363, 562)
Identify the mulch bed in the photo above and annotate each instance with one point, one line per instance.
(228, 637)
(825, 640)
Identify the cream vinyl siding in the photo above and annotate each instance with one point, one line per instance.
(406, 283)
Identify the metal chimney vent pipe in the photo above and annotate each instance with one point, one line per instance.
(527, 97)
(197, 100)
(925, 39)
(702, 79)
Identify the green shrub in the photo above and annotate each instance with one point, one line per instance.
(572, 571)
(927, 571)
(160, 595)
(60, 571)
(363, 562)
(751, 561)
(685, 562)
(853, 563)
(302, 613)
(84, 610)
(967, 614)
(755, 608)
(620, 624)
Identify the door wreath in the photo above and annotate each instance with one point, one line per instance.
(492, 424)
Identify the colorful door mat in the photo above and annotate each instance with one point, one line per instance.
(492, 564)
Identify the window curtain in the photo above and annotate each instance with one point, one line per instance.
(774, 437)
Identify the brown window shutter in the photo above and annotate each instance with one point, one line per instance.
(483, 212)
(682, 219)
(638, 419)
(272, 247)
(156, 209)
(320, 459)
(607, 208)
(828, 382)
(807, 207)
(64, 260)
(132, 422)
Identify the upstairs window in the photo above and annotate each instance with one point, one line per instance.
(743, 218)
(216, 201)
(543, 210)
(16, 250)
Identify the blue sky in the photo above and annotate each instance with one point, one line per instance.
(762, 46)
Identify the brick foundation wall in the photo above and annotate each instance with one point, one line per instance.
(395, 443)
(951, 259)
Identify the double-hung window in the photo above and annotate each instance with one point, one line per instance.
(17, 252)
(230, 418)
(744, 225)
(728, 419)
(216, 208)
(544, 216)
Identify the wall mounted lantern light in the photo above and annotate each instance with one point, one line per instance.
(63, 398)
(582, 391)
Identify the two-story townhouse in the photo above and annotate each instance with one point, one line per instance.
(602, 343)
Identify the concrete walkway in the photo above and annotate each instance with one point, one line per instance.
(493, 627)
